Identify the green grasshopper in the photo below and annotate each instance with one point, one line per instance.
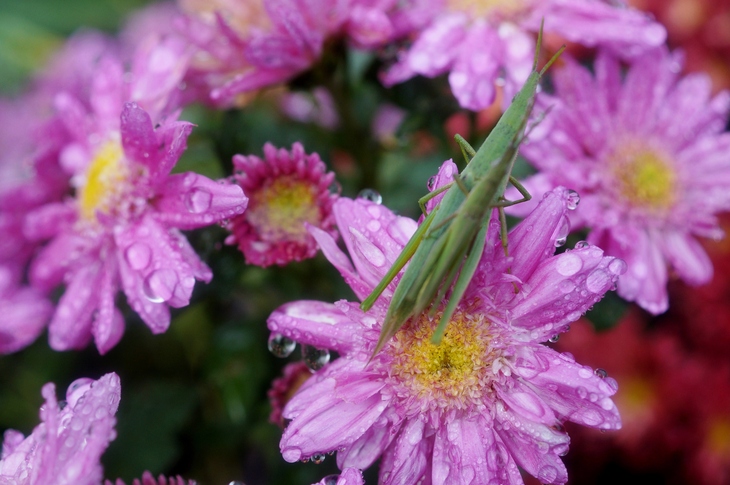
(447, 247)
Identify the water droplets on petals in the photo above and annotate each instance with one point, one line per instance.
(370, 195)
(281, 346)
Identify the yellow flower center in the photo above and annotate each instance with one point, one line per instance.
(452, 374)
(487, 8)
(104, 179)
(241, 16)
(645, 178)
(279, 210)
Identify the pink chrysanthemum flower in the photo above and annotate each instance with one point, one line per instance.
(650, 158)
(121, 229)
(349, 476)
(66, 448)
(25, 312)
(287, 191)
(481, 44)
(246, 46)
(149, 479)
(490, 397)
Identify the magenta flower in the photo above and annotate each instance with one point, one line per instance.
(149, 479)
(349, 476)
(246, 46)
(650, 159)
(66, 448)
(287, 191)
(121, 228)
(484, 44)
(490, 397)
(25, 312)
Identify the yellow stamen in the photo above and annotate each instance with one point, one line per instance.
(103, 178)
(450, 373)
(645, 178)
(280, 209)
(485, 8)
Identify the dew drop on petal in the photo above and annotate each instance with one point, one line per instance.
(160, 285)
(318, 458)
(330, 480)
(547, 474)
(572, 201)
(236, 482)
(561, 234)
(581, 245)
(601, 373)
(198, 200)
(617, 267)
(373, 226)
(138, 256)
(371, 195)
(568, 264)
(431, 183)
(280, 345)
(585, 373)
(566, 286)
(554, 338)
(315, 358)
(598, 281)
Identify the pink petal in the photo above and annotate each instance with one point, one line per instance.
(190, 200)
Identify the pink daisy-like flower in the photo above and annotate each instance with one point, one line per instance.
(490, 397)
(482, 44)
(149, 479)
(25, 312)
(650, 158)
(349, 476)
(66, 448)
(287, 191)
(245, 46)
(121, 229)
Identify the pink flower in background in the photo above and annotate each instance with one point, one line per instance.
(25, 312)
(350, 476)
(482, 44)
(246, 46)
(490, 397)
(287, 191)
(149, 479)
(66, 448)
(121, 228)
(650, 158)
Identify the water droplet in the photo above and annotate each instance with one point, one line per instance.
(617, 267)
(601, 373)
(598, 281)
(566, 286)
(568, 264)
(561, 234)
(62, 404)
(138, 256)
(330, 480)
(581, 244)
(431, 183)
(198, 200)
(572, 200)
(318, 458)
(371, 195)
(554, 338)
(280, 345)
(547, 474)
(160, 285)
(315, 358)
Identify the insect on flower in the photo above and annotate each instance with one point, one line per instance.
(446, 248)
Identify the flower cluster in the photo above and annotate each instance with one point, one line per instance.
(114, 203)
